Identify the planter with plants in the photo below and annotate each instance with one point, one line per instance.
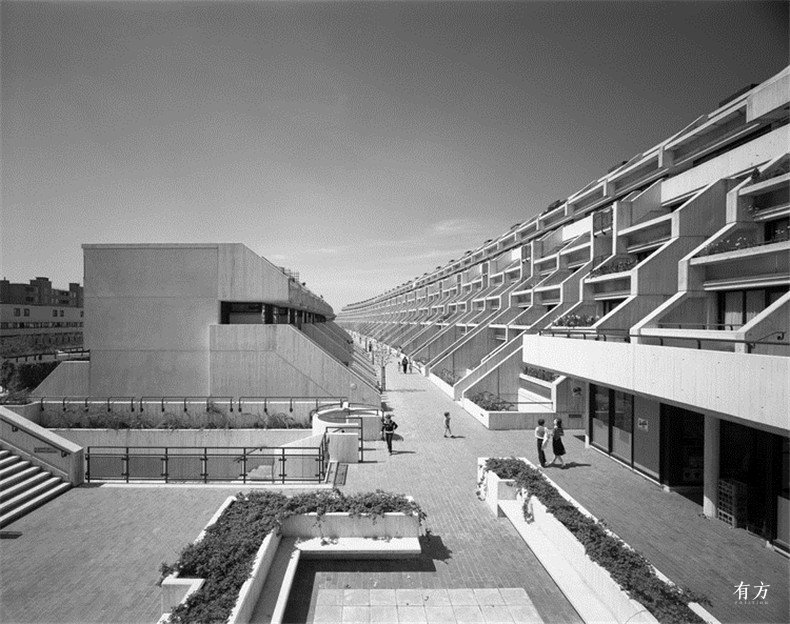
(600, 557)
(234, 552)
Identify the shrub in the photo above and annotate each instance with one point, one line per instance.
(448, 376)
(539, 373)
(491, 402)
(667, 602)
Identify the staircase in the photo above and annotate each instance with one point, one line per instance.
(24, 487)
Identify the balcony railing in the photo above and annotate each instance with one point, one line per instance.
(576, 320)
(618, 264)
(735, 242)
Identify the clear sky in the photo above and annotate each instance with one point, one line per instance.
(360, 144)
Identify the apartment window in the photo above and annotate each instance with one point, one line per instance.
(738, 307)
(82, 313)
(777, 230)
(17, 312)
(27, 311)
(54, 312)
(610, 304)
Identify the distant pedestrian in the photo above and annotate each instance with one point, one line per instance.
(557, 447)
(447, 431)
(541, 434)
(405, 363)
(388, 428)
(411, 366)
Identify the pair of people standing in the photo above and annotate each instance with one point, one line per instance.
(545, 437)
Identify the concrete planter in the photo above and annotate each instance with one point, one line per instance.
(588, 586)
(493, 489)
(507, 420)
(311, 534)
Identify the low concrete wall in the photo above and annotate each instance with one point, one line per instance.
(251, 590)
(504, 421)
(337, 525)
(183, 437)
(31, 411)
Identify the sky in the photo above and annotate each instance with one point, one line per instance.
(358, 143)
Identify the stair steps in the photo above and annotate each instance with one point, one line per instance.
(24, 487)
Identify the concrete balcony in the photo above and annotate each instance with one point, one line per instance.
(753, 388)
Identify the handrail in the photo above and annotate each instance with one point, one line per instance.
(64, 450)
(626, 337)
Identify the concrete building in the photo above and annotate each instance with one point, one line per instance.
(649, 308)
(36, 318)
(198, 320)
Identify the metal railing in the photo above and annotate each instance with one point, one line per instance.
(206, 463)
(49, 356)
(624, 335)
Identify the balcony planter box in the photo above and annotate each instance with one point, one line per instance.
(331, 531)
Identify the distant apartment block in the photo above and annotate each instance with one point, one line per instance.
(199, 320)
(37, 318)
(650, 309)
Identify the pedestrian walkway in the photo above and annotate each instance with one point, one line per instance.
(468, 547)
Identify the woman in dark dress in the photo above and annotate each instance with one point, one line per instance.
(557, 447)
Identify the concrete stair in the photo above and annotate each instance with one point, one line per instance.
(24, 487)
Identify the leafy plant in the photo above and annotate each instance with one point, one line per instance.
(667, 602)
(491, 402)
(448, 376)
(539, 373)
(615, 266)
(576, 320)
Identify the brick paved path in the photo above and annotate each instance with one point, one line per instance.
(468, 546)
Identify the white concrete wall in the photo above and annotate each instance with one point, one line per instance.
(147, 309)
(742, 158)
(279, 360)
(68, 379)
(754, 388)
(245, 276)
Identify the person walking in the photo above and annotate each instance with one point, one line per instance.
(557, 447)
(447, 431)
(541, 434)
(388, 428)
(405, 364)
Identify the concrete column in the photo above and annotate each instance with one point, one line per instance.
(710, 477)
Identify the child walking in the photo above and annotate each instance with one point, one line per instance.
(447, 431)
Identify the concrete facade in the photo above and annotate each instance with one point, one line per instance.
(163, 322)
(658, 294)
